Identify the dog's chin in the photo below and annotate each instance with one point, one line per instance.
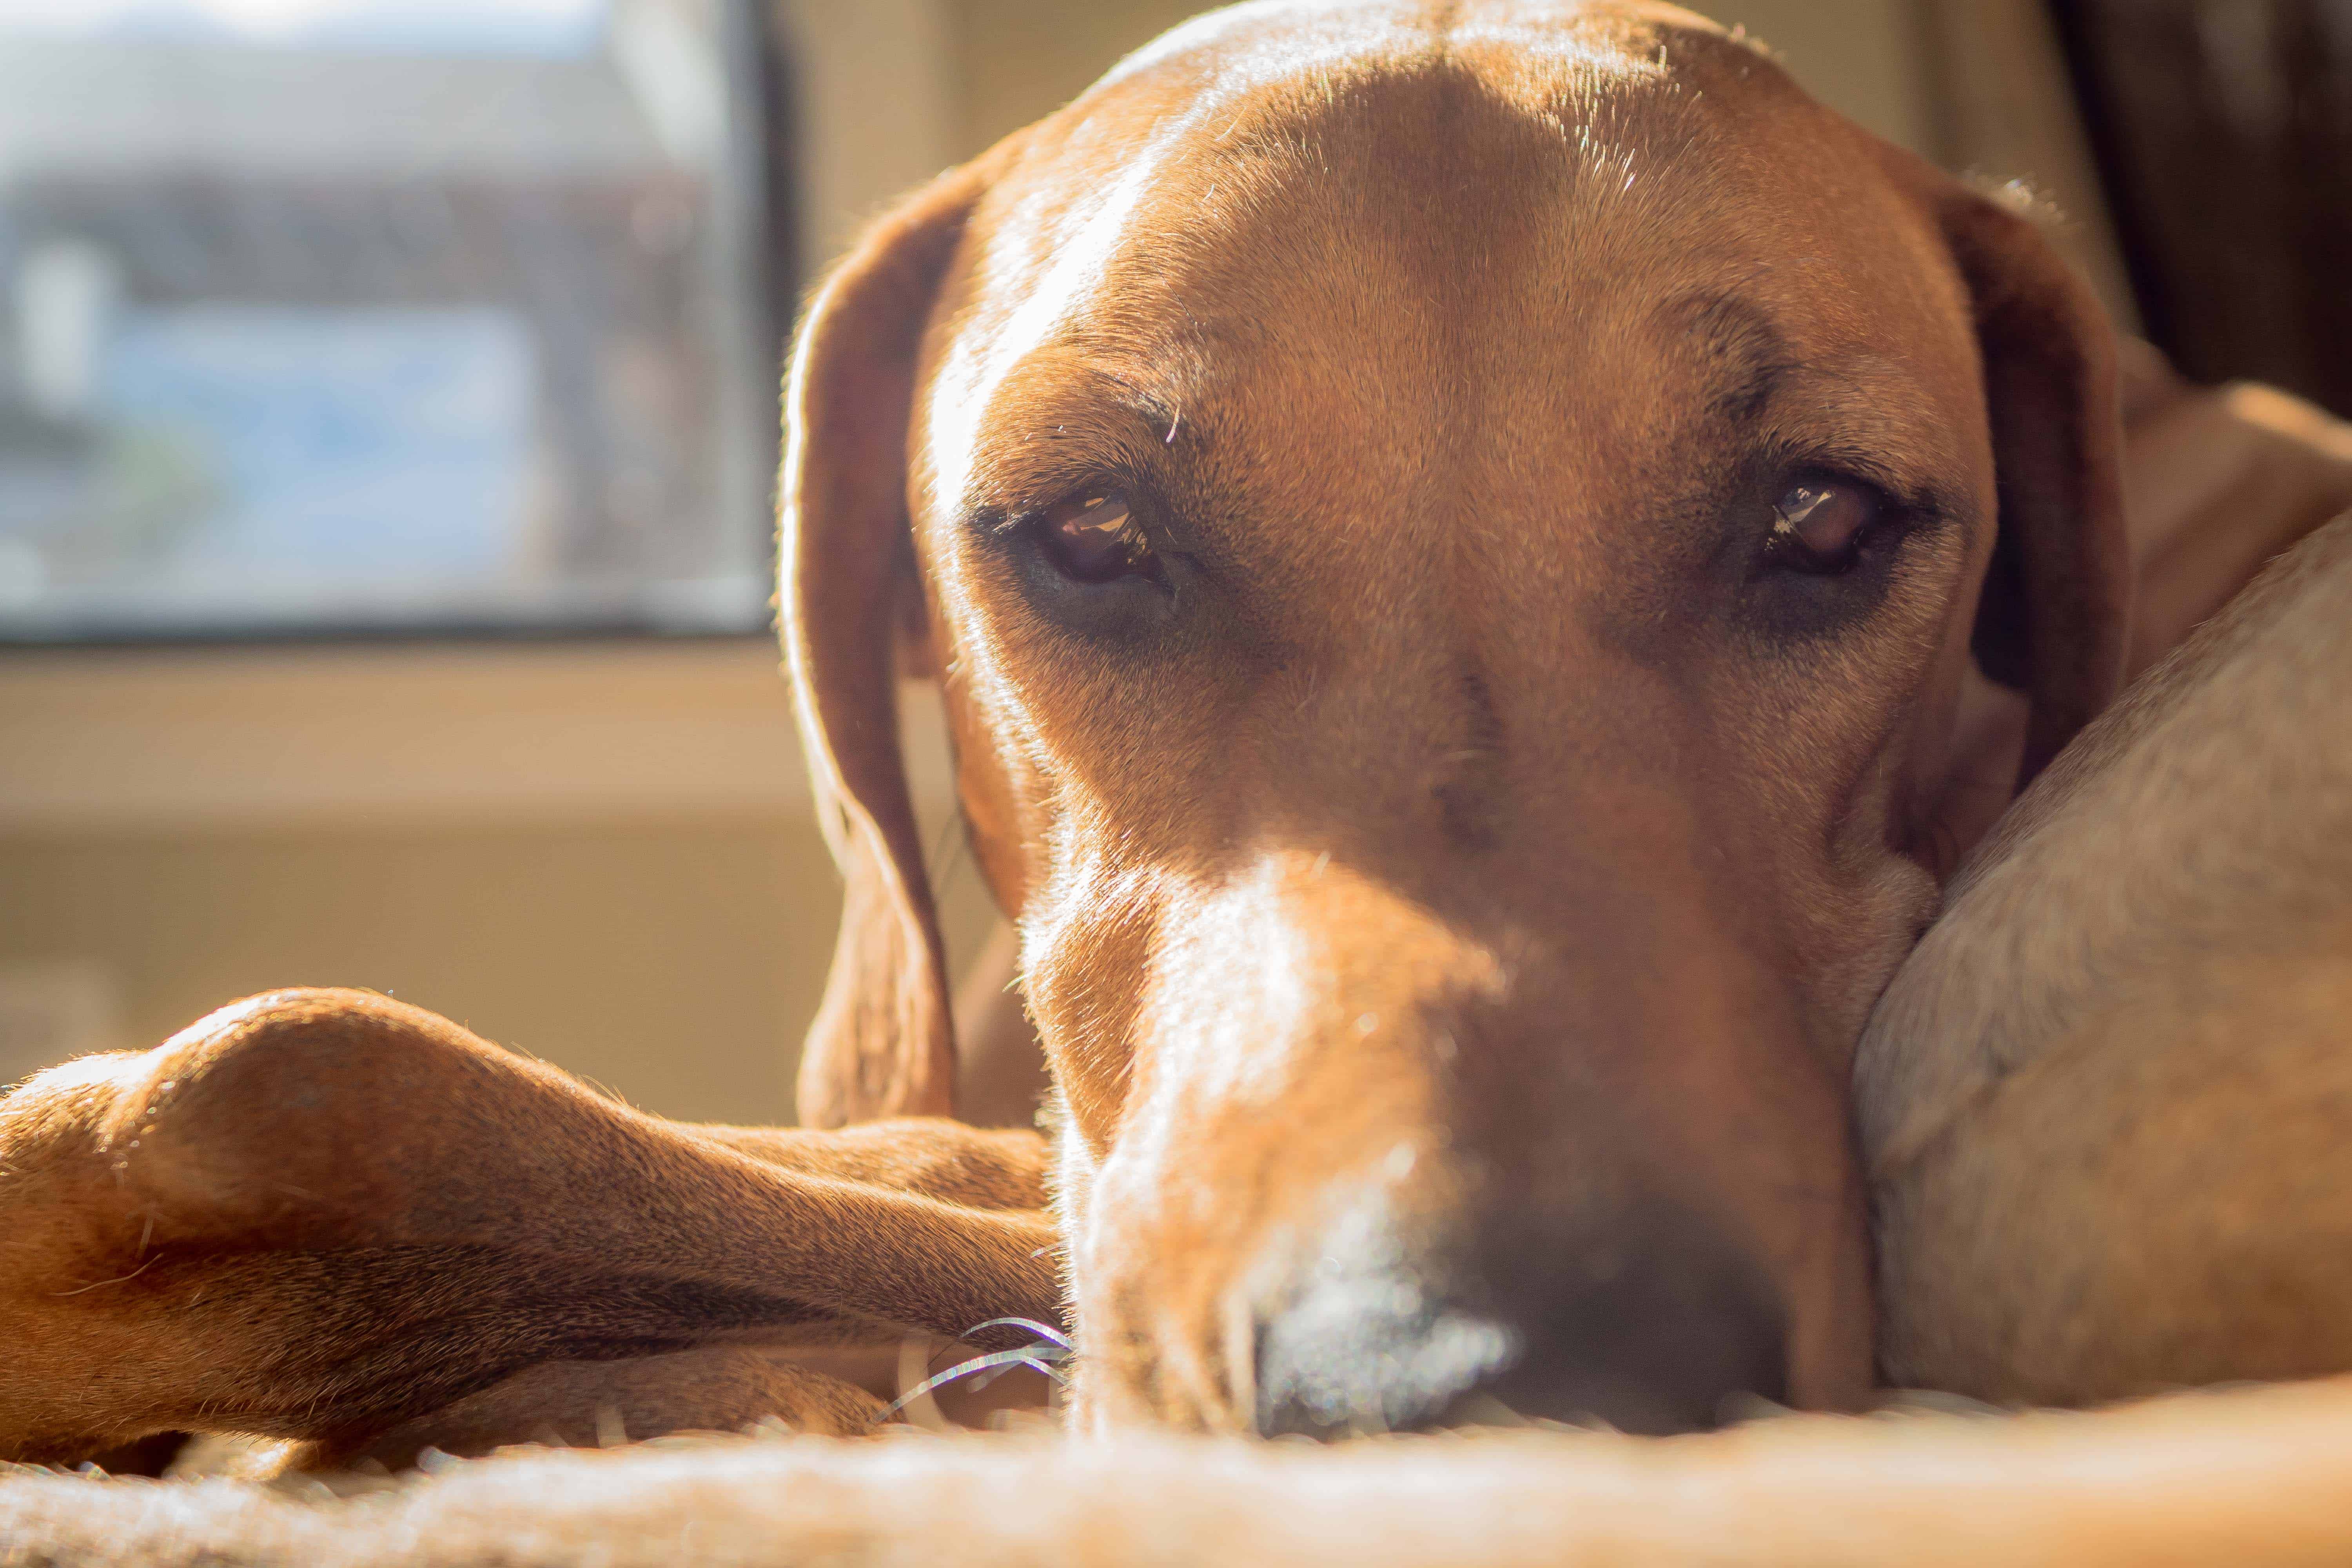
(1587, 1400)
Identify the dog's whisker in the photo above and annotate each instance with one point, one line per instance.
(116, 1281)
(1043, 1331)
(995, 1360)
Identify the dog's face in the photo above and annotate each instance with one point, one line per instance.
(1451, 552)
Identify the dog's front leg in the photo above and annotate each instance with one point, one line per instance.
(319, 1214)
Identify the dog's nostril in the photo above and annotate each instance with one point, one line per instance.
(1659, 1343)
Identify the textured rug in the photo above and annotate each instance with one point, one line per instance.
(2251, 1476)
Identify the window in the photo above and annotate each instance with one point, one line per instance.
(384, 316)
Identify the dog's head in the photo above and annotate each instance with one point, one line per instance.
(1451, 536)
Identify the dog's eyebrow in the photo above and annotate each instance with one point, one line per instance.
(1734, 333)
(1853, 408)
(1067, 415)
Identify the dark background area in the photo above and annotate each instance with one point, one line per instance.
(2223, 134)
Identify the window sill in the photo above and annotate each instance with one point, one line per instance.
(152, 740)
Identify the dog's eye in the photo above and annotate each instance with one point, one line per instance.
(1095, 538)
(1818, 524)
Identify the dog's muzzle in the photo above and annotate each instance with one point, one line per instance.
(1389, 1169)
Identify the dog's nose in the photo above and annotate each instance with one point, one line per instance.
(1657, 1327)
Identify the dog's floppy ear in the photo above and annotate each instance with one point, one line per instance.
(882, 1042)
(2052, 618)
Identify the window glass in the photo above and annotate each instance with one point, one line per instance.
(382, 315)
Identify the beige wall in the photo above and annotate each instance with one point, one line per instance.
(1016, 59)
(602, 858)
(601, 855)
(661, 957)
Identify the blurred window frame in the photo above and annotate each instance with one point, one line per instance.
(170, 737)
(761, 217)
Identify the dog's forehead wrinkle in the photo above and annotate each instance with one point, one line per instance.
(1220, 246)
(1482, 458)
(1744, 344)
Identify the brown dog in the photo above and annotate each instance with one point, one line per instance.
(1362, 463)
(1452, 537)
